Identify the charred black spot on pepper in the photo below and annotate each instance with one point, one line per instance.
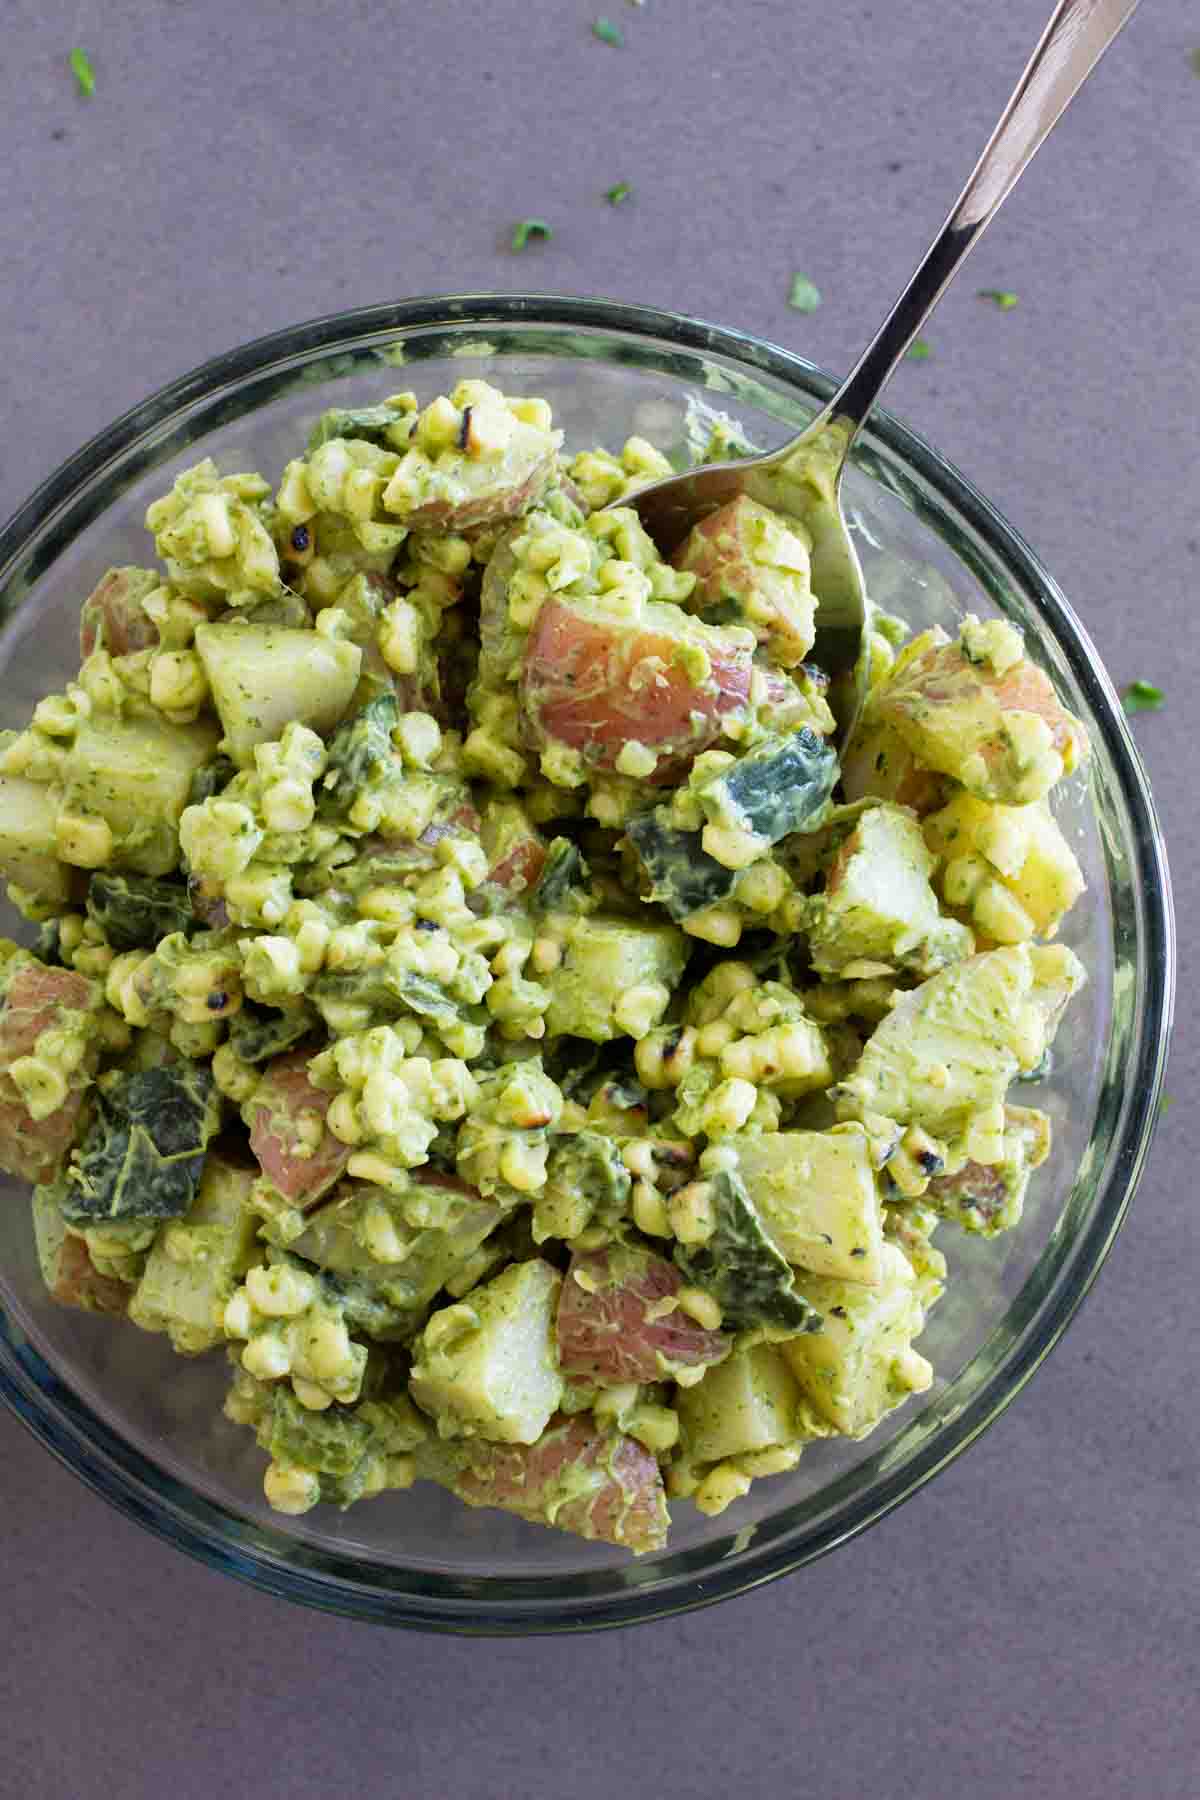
(426, 925)
(217, 1001)
(300, 538)
(839, 1312)
(816, 675)
(931, 1162)
(858, 1251)
(464, 430)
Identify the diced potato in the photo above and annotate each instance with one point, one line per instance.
(280, 1110)
(264, 676)
(977, 709)
(487, 1366)
(578, 1477)
(611, 1326)
(950, 1047)
(135, 773)
(878, 905)
(597, 681)
(753, 568)
(981, 845)
(603, 961)
(37, 1000)
(28, 853)
(989, 1197)
(816, 1194)
(67, 1269)
(197, 1261)
(745, 1404)
(113, 617)
(862, 1364)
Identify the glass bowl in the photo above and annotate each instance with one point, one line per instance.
(143, 1427)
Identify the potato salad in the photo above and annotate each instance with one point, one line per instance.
(466, 991)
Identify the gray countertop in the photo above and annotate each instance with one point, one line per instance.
(1029, 1622)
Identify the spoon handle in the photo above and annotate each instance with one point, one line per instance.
(1078, 34)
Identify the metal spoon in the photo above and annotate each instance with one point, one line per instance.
(803, 478)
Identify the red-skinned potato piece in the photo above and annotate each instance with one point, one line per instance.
(493, 507)
(35, 999)
(283, 1094)
(949, 708)
(615, 1484)
(607, 1329)
(595, 683)
(735, 556)
(113, 618)
(75, 1281)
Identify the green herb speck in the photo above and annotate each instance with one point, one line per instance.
(1194, 59)
(83, 72)
(1166, 1101)
(920, 350)
(607, 32)
(530, 228)
(804, 294)
(1000, 297)
(1143, 696)
(620, 191)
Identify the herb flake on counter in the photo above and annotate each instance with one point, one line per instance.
(621, 190)
(920, 350)
(1166, 1101)
(530, 228)
(1143, 696)
(81, 68)
(1001, 298)
(608, 33)
(804, 295)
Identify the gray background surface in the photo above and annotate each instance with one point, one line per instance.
(1029, 1623)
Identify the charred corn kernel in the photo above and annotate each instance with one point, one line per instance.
(729, 1106)
(290, 1490)
(234, 1078)
(267, 1356)
(709, 1000)
(419, 739)
(985, 1135)
(664, 1056)
(720, 1488)
(238, 1318)
(762, 888)
(83, 839)
(177, 681)
(775, 1461)
(279, 1291)
(690, 1212)
(649, 1211)
(733, 849)
(699, 1306)
(41, 1085)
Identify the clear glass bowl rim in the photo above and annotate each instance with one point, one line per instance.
(502, 1607)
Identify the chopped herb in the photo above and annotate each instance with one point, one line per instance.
(804, 295)
(920, 350)
(607, 32)
(1143, 696)
(81, 68)
(530, 228)
(615, 195)
(1005, 301)
(1164, 1105)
